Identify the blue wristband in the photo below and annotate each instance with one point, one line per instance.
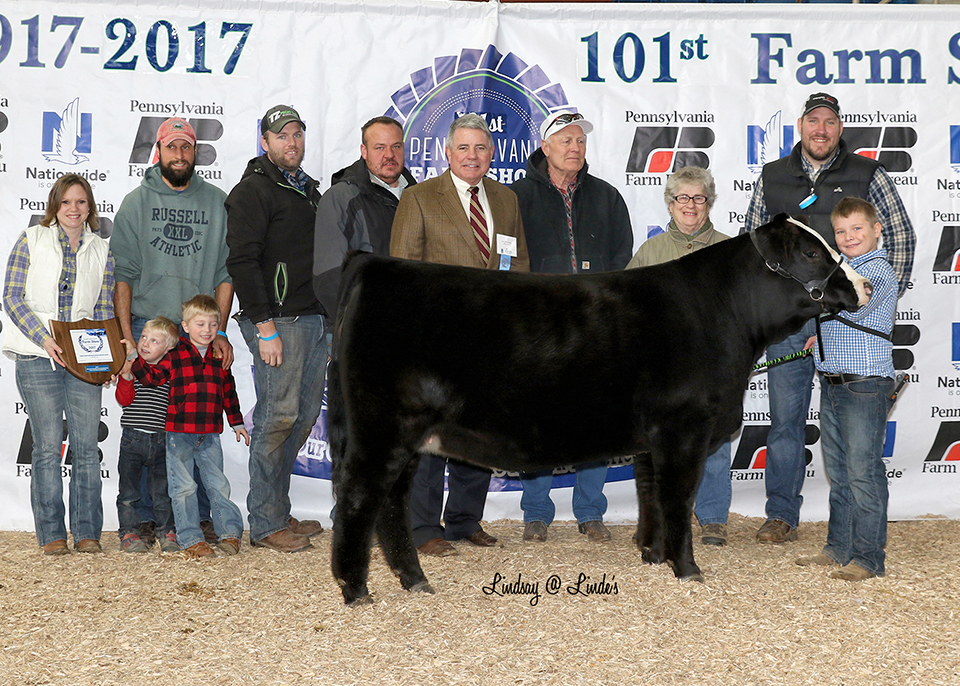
(222, 333)
(268, 338)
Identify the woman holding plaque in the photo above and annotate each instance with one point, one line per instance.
(59, 270)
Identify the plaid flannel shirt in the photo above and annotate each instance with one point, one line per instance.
(200, 389)
(15, 282)
(899, 238)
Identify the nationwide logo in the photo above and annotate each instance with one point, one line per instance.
(751, 457)
(955, 347)
(769, 142)
(663, 150)
(513, 97)
(66, 136)
(888, 145)
(25, 454)
(955, 147)
(144, 151)
(945, 452)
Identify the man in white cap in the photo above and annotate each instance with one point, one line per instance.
(574, 222)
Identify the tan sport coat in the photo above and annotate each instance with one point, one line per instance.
(431, 226)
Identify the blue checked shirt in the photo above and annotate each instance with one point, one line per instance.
(899, 238)
(16, 280)
(849, 351)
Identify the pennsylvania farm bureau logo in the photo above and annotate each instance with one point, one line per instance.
(209, 130)
(512, 96)
(769, 142)
(658, 151)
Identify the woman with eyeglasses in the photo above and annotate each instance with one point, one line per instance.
(689, 194)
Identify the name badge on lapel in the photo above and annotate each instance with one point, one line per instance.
(506, 248)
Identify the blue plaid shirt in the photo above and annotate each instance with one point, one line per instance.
(16, 280)
(849, 351)
(899, 238)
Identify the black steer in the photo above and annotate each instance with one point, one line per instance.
(525, 372)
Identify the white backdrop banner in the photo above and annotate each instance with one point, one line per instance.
(83, 88)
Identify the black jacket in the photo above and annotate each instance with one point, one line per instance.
(270, 236)
(786, 185)
(603, 236)
(354, 214)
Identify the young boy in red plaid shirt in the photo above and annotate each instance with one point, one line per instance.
(200, 392)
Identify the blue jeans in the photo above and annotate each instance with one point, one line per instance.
(715, 491)
(48, 394)
(589, 503)
(789, 386)
(145, 509)
(141, 450)
(288, 404)
(203, 450)
(853, 425)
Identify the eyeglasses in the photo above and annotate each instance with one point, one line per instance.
(568, 118)
(684, 199)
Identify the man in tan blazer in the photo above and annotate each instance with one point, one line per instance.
(465, 219)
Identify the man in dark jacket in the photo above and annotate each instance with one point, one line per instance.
(574, 222)
(356, 213)
(270, 220)
(811, 180)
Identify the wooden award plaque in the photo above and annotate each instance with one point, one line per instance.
(92, 350)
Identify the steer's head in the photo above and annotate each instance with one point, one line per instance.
(794, 250)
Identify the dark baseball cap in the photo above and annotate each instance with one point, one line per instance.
(821, 100)
(279, 116)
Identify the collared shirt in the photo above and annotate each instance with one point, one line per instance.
(298, 179)
(899, 239)
(201, 390)
(567, 194)
(398, 191)
(463, 192)
(16, 280)
(850, 351)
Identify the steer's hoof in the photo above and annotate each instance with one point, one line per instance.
(692, 577)
(422, 587)
(363, 600)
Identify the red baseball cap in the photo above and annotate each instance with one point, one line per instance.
(176, 128)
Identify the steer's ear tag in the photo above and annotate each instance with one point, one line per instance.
(506, 245)
(505, 263)
(807, 201)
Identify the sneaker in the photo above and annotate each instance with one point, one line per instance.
(230, 546)
(168, 543)
(713, 534)
(776, 531)
(198, 550)
(147, 532)
(595, 531)
(535, 531)
(131, 543)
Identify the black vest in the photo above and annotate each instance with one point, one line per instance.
(785, 186)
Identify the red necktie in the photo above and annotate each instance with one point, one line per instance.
(479, 223)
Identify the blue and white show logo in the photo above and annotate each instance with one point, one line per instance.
(513, 97)
(67, 135)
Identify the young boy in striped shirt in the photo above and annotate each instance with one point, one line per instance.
(144, 440)
(857, 381)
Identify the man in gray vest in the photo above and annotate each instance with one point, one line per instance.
(818, 173)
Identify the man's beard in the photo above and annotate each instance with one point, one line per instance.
(177, 179)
